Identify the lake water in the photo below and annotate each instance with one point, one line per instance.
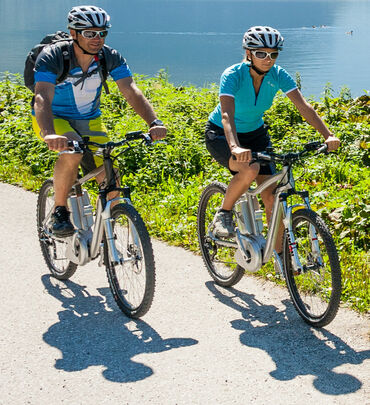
(195, 40)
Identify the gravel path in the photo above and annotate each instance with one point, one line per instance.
(67, 343)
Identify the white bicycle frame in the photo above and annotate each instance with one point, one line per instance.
(103, 222)
(280, 211)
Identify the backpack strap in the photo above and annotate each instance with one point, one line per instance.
(66, 62)
(103, 71)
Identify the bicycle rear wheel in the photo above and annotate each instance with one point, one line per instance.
(316, 291)
(52, 249)
(218, 259)
(133, 281)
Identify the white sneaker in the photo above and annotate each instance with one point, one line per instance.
(223, 224)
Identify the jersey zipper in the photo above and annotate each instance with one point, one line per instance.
(259, 91)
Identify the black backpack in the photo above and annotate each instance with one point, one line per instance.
(65, 41)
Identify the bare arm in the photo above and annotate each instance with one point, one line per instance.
(311, 116)
(141, 105)
(228, 122)
(228, 111)
(44, 94)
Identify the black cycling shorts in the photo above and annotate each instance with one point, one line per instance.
(257, 141)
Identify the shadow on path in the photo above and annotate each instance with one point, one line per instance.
(294, 346)
(92, 332)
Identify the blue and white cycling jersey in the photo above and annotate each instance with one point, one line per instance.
(237, 82)
(81, 101)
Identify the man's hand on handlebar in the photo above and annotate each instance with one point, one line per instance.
(56, 142)
(158, 132)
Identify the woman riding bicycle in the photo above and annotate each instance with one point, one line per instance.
(236, 128)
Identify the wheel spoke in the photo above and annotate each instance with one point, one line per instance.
(218, 259)
(53, 250)
(316, 290)
(132, 281)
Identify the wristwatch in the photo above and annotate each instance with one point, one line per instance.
(156, 123)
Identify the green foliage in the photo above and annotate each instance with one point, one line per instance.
(167, 179)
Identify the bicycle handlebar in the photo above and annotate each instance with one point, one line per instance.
(79, 147)
(290, 157)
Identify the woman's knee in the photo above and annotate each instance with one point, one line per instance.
(244, 168)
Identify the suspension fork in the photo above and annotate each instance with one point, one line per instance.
(315, 247)
(114, 254)
(103, 223)
(288, 224)
(292, 245)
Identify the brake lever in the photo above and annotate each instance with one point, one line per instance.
(323, 149)
(76, 148)
(149, 140)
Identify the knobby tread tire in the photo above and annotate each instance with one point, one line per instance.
(237, 274)
(71, 268)
(335, 272)
(130, 212)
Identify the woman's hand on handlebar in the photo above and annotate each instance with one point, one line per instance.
(333, 143)
(241, 155)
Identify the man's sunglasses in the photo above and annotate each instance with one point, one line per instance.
(263, 54)
(90, 34)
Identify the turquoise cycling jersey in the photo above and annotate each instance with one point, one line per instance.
(237, 82)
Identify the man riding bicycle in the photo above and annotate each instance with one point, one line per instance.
(71, 109)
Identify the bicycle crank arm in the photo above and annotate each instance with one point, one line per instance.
(222, 242)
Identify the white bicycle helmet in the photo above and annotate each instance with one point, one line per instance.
(84, 17)
(263, 37)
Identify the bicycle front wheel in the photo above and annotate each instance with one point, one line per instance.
(53, 249)
(316, 291)
(132, 282)
(218, 259)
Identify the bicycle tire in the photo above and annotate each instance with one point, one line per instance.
(122, 277)
(224, 270)
(53, 249)
(316, 291)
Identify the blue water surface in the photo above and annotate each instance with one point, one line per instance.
(326, 41)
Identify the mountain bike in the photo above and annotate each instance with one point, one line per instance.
(310, 262)
(115, 232)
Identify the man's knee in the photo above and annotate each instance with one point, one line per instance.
(71, 160)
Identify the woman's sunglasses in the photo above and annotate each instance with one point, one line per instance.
(90, 34)
(263, 54)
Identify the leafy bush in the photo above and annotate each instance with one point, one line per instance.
(169, 177)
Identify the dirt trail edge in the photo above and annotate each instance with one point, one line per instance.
(67, 343)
